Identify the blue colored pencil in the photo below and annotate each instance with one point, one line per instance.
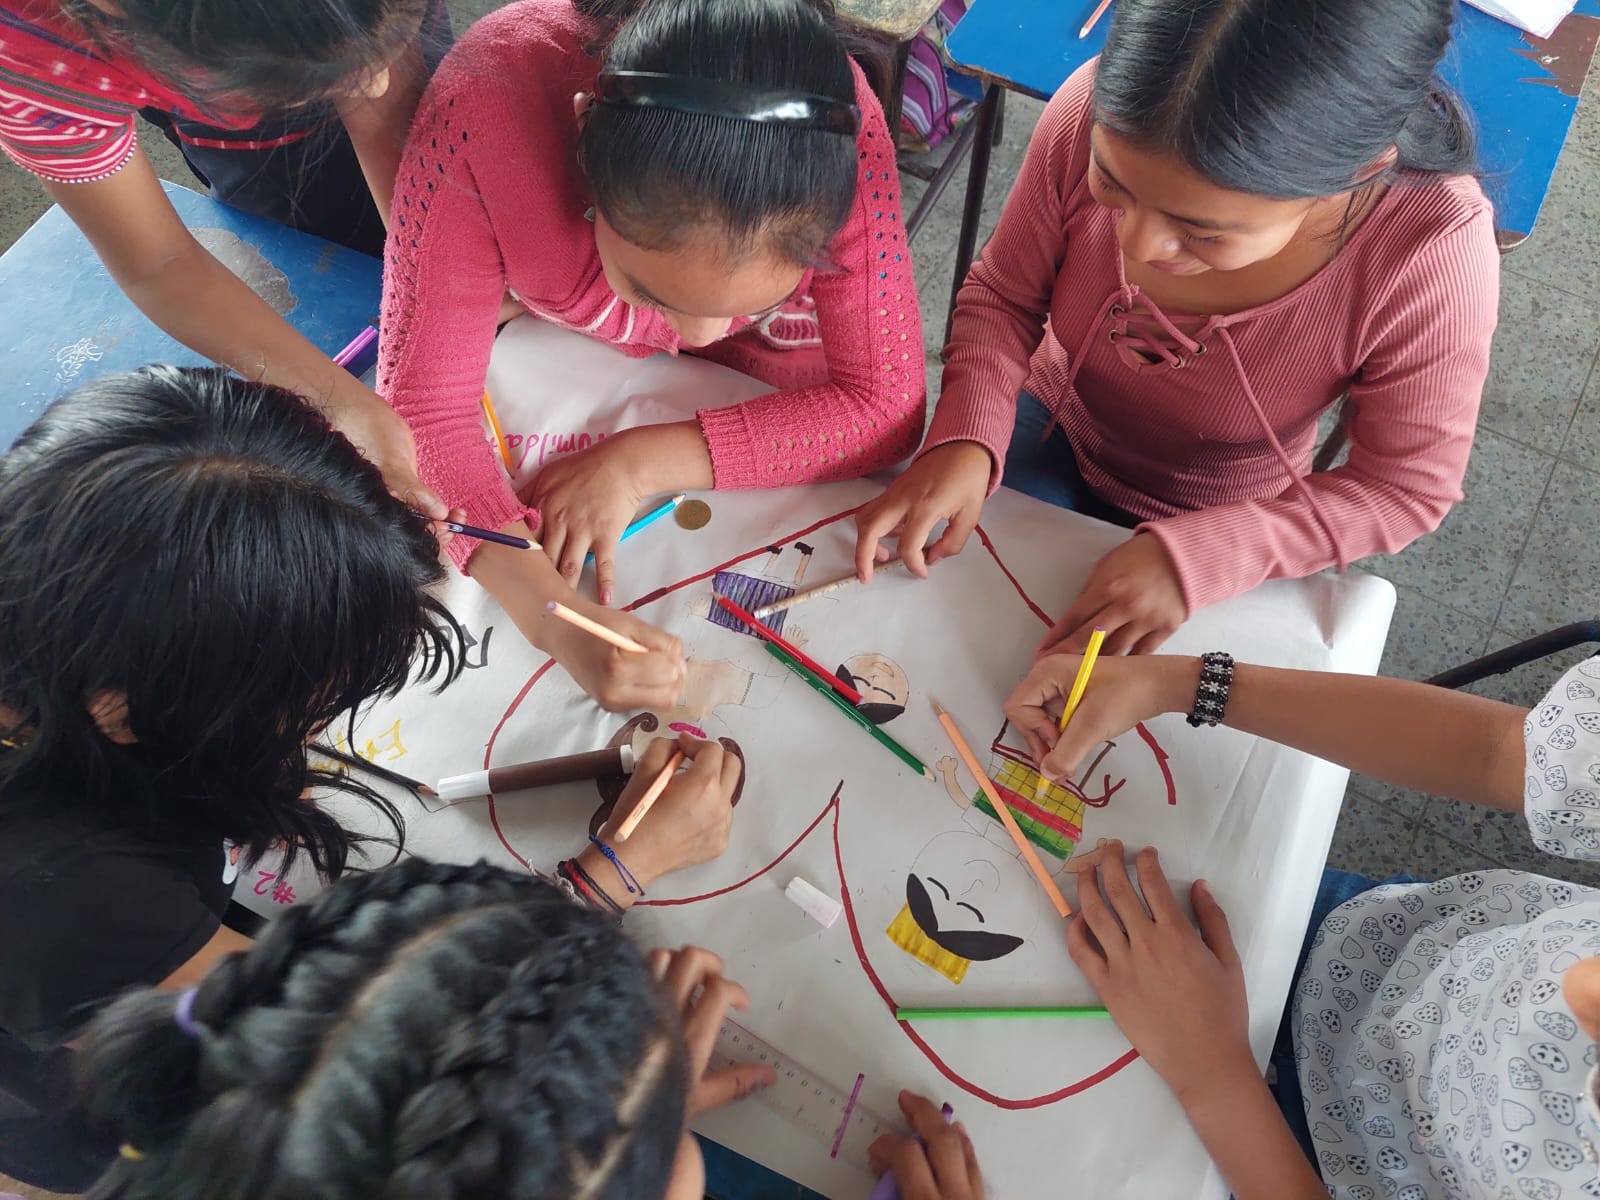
(650, 518)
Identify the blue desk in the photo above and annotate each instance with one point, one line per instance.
(68, 321)
(1522, 90)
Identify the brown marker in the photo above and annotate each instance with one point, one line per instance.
(596, 764)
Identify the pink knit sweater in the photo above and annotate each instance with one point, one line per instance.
(489, 197)
(1212, 442)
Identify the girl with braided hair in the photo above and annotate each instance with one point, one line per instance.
(434, 1032)
(197, 575)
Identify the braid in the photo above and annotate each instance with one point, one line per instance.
(428, 1030)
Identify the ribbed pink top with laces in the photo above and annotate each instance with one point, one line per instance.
(1212, 441)
(489, 197)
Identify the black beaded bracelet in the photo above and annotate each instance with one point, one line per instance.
(1211, 697)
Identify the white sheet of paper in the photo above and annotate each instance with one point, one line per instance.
(1538, 17)
(1054, 1107)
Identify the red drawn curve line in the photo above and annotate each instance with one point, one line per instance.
(917, 1040)
(1161, 761)
(1006, 571)
(494, 816)
(734, 887)
(652, 597)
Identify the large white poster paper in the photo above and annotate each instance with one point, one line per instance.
(939, 909)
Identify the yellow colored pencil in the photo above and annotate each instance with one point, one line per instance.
(499, 435)
(1081, 683)
(1003, 811)
(1074, 697)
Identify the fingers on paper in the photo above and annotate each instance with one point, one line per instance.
(1157, 891)
(605, 570)
(1096, 915)
(1083, 947)
(874, 522)
(691, 968)
(958, 528)
(1123, 897)
(729, 1084)
(941, 1166)
(1213, 922)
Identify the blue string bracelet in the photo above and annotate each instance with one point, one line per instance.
(628, 881)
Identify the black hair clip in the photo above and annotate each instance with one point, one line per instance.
(716, 98)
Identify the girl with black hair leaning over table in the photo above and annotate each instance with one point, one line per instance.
(197, 577)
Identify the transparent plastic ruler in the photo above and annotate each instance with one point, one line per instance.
(802, 1097)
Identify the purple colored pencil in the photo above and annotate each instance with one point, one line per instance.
(850, 1107)
(488, 535)
(357, 348)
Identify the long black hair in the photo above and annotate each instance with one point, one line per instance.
(425, 1032)
(271, 53)
(1285, 98)
(659, 176)
(211, 550)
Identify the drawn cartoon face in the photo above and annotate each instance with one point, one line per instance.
(884, 688)
(965, 903)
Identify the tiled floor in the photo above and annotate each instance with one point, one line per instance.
(1518, 556)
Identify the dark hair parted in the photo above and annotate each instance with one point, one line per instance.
(210, 549)
(425, 1032)
(1285, 98)
(661, 177)
(264, 52)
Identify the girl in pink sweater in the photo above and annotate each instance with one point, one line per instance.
(719, 180)
(1240, 214)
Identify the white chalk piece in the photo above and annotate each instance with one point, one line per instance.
(819, 906)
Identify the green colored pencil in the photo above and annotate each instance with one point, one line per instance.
(946, 1014)
(849, 710)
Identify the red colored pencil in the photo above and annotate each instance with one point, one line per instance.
(811, 664)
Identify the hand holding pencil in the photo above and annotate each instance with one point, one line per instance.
(621, 661)
(1120, 693)
(688, 821)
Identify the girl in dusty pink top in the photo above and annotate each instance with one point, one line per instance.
(1239, 214)
(716, 178)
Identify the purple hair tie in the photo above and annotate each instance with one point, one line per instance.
(183, 1015)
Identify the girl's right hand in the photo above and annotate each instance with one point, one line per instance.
(619, 680)
(690, 822)
(939, 1163)
(1121, 693)
(948, 483)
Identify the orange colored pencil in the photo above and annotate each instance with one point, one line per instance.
(600, 631)
(499, 436)
(651, 796)
(1094, 18)
(1003, 811)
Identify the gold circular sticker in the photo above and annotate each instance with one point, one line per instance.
(693, 514)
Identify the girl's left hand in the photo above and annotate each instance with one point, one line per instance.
(585, 500)
(693, 978)
(1176, 991)
(1133, 594)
